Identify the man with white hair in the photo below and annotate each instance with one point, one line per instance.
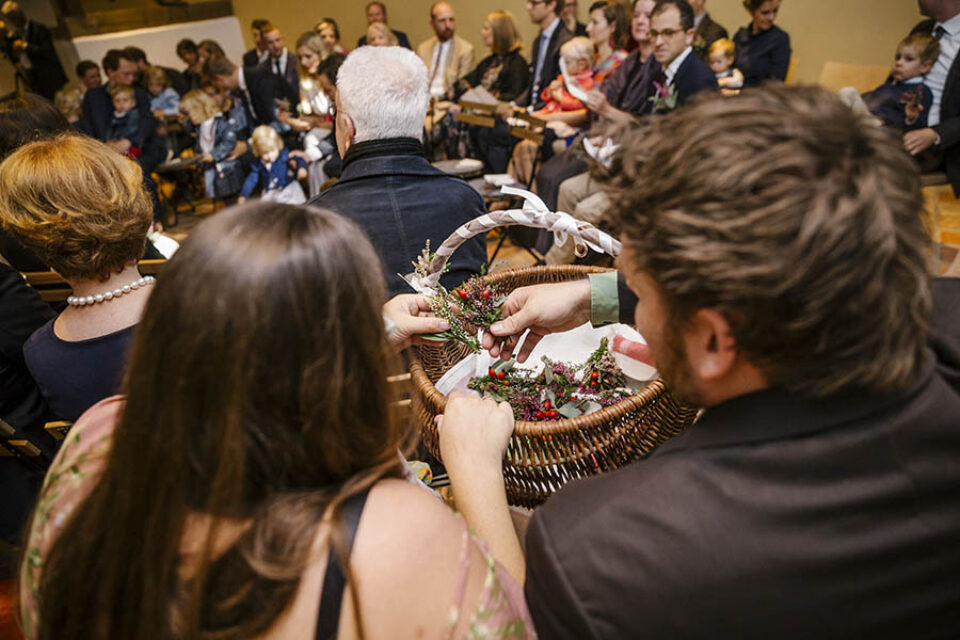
(386, 185)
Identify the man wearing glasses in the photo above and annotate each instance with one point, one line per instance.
(683, 74)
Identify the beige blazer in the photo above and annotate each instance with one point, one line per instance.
(459, 61)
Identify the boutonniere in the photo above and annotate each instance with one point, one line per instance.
(665, 97)
(912, 98)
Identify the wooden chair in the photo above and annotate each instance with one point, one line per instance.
(480, 114)
(792, 70)
(53, 288)
(14, 446)
(58, 429)
(862, 77)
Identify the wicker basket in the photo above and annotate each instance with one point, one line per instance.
(542, 456)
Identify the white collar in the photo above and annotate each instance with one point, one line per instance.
(241, 81)
(951, 26)
(914, 80)
(674, 66)
(698, 19)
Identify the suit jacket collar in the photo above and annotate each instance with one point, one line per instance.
(776, 414)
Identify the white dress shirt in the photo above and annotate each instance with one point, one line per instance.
(936, 78)
(441, 50)
(674, 66)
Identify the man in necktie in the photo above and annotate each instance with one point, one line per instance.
(447, 56)
(936, 146)
(545, 65)
(281, 62)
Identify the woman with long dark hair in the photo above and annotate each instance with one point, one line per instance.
(253, 447)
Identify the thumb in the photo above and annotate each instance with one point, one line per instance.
(514, 324)
(427, 324)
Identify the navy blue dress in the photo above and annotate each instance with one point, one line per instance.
(762, 56)
(73, 376)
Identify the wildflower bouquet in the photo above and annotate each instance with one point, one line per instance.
(561, 390)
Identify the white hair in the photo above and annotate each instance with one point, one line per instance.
(384, 91)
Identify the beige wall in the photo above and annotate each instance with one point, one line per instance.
(859, 31)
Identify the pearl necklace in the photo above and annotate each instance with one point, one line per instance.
(80, 301)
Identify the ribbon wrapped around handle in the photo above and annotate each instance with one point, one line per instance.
(535, 214)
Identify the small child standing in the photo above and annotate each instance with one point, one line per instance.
(125, 124)
(904, 102)
(275, 170)
(216, 141)
(721, 56)
(164, 101)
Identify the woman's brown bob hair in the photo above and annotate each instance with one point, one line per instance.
(506, 38)
(77, 203)
(256, 394)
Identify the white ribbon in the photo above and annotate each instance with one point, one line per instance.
(563, 227)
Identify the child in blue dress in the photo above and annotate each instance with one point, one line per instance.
(216, 142)
(275, 170)
(904, 101)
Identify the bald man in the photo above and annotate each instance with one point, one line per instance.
(448, 58)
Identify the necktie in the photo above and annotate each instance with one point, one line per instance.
(276, 66)
(662, 79)
(939, 32)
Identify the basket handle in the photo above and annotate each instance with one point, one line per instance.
(534, 214)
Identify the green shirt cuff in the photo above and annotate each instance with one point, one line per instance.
(604, 299)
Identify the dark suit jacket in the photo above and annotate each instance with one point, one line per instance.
(706, 34)
(290, 77)
(46, 75)
(949, 127)
(764, 56)
(551, 66)
(402, 40)
(264, 87)
(401, 202)
(98, 111)
(251, 58)
(775, 516)
(692, 77)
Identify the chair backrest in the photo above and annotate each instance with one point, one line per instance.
(533, 131)
(13, 445)
(477, 113)
(53, 288)
(792, 70)
(862, 77)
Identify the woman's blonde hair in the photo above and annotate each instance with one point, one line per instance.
(313, 41)
(77, 203)
(199, 101)
(265, 138)
(383, 30)
(506, 38)
(156, 74)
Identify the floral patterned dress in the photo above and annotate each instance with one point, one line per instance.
(500, 612)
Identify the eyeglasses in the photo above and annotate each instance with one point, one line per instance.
(666, 33)
(534, 3)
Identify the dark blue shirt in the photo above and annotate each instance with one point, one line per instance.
(886, 102)
(762, 56)
(73, 376)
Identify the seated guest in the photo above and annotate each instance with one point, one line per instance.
(125, 123)
(504, 73)
(209, 49)
(232, 109)
(257, 88)
(188, 52)
(936, 146)
(386, 185)
(82, 208)
(706, 31)
(175, 79)
(88, 72)
(279, 505)
(164, 100)
(723, 54)
(377, 12)
(904, 102)
(258, 53)
(330, 32)
(98, 103)
(609, 30)
(763, 48)
(380, 35)
(545, 52)
(683, 74)
(448, 56)
(831, 393)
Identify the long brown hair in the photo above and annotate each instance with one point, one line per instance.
(256, 394)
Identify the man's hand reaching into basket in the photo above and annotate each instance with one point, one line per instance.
(543, 309)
